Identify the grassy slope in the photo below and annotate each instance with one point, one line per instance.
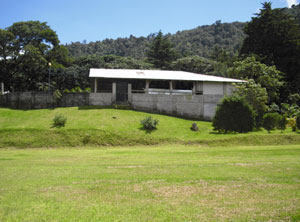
(32, 128)
(153, 183)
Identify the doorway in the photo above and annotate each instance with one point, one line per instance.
(122, 92)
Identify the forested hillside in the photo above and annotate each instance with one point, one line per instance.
(201, 41)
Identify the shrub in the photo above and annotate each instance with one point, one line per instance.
(234, 114)
(270, 121)
(282, 122)
(298, 121)
(292, 123)
(59, 120)
(149, 123)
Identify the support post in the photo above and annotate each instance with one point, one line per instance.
(95, 85)
(224, 89)
(147, 86)
(194, 88)
(171, 86)
(129, 93)
(114, 92)
(2, 88)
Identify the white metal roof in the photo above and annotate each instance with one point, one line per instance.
(156, 75)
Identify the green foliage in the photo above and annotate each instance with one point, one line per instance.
(267, 76)
(274, 35)
(59, 121)
(31, 46)
(270, 121)
(298, 121)
(282, 123)
(256, 96)
(161, 52)
(233, 115)
(149, 123)
(290, 110)
(57, 94)
(194, 64)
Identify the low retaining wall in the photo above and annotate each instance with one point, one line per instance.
(43, 100)
(189, 106)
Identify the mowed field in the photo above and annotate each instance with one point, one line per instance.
(100, 167)
(151, 183)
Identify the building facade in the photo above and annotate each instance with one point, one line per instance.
(176, 93)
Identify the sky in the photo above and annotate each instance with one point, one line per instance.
(96, 20)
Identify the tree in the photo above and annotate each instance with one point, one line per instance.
(274, 35)
(161, 52)
(267, 76)
(26, 48)
(234, 114)
(6, 53)
(256, 96)
(194, 64)
(270, 121)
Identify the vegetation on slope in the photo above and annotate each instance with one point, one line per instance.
(200, 41)
(108, 126)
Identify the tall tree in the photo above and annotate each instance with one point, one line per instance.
(26, 49)
(275, 36)
(267, 76)
(161, 52)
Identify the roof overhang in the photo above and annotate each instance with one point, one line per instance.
(157, 75)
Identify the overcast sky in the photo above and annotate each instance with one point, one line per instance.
(92, 20)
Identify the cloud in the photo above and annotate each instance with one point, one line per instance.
(292, 2)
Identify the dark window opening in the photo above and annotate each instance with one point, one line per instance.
(104, 85)
(159, 84)
(183, 85)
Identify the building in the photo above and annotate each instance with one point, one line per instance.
(177, 93)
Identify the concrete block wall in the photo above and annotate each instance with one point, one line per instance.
(190, 106)
(100, 99)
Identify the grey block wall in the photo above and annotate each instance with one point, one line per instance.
(189, 106)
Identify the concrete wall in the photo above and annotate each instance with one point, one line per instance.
(41, 100)
(190, 106)
(100, 99)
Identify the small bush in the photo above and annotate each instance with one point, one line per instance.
(59, 120)
(86, 139)
(149, 123)
(234, 114)
(270, 121)
(291, 122)
(282, 122)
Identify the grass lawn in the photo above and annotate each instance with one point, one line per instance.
(151, 183)
(104, 126)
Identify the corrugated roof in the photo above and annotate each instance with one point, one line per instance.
(156, 75)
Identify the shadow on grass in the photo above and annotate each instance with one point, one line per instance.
(147, 131)
(223, 133)
(23, 109)
(119, 107)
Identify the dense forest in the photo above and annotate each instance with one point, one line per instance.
(200, 41)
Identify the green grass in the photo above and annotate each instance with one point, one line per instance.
(104, 126)
(151, 183)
